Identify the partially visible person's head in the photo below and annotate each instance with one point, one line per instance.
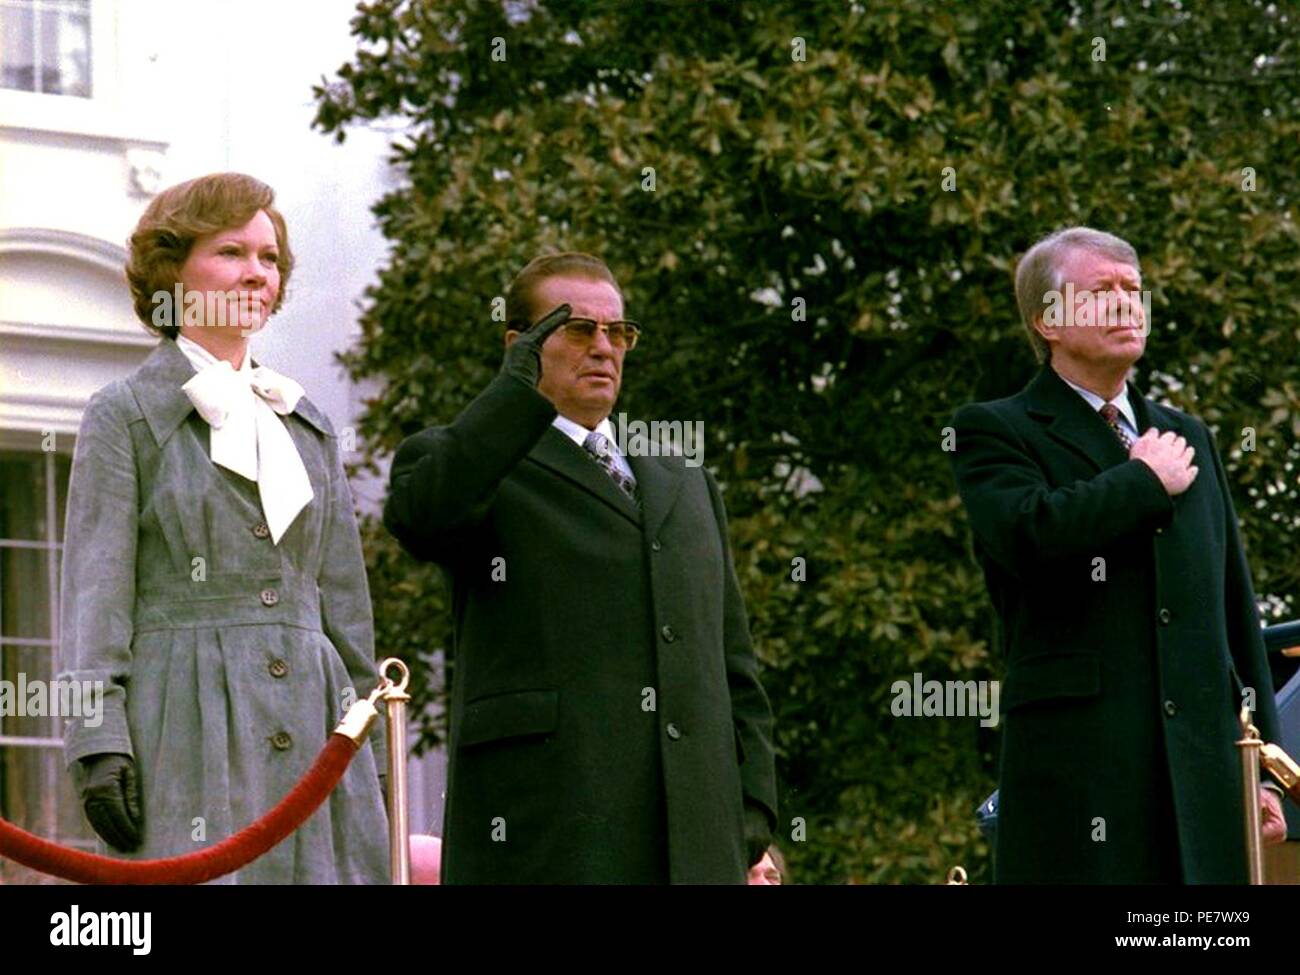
(769, 871)
(426, 859)
(216, 233)
(1105, 275)
(582, 372)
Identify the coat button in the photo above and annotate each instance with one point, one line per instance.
(1165, 616)
(669, 634)
(1171, 708)
(270, 597)
(278, 668)
(673, 731)
(281, 741)
(655, 546)
(261, 531)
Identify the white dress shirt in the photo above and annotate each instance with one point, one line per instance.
(1126, 415)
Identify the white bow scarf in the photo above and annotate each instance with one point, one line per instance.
(247, 435)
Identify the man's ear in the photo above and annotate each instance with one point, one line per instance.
(511, 335)
(1045, 330)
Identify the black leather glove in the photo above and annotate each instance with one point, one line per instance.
(523, 358)
(110, 797)
(758, 831)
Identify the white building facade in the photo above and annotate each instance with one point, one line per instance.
(102, 104)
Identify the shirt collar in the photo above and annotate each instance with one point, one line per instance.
(1121, 401)
(578, 433)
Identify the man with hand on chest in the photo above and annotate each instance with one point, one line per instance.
(607, 721)
(1109, 544)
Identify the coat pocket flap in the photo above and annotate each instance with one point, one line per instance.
(1051, 675)
(509, 715)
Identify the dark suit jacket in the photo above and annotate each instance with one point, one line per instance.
(607, 720)
(1121, 695)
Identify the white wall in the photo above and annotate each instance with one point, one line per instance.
(183, 88)
(195, 88)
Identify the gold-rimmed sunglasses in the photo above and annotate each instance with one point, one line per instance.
(622, 334)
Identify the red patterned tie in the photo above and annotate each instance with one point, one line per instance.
(1110, 413)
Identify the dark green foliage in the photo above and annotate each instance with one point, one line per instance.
(822, 180)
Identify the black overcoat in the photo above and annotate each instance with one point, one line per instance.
(1129, 625)
(607, 720)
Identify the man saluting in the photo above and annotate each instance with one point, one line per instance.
(1110, 548)
(607, 722)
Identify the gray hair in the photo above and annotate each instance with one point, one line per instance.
(1039, 272)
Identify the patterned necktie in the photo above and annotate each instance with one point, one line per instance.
(603, 454)
(1110, 413)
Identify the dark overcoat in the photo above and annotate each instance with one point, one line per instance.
(1129, 625)
(607, 721)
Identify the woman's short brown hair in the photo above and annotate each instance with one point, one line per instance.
(520, 310)
(180, 215)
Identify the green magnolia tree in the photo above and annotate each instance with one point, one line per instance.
(815, 210)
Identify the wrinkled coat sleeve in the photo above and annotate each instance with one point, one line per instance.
(751, 712)
(97, 594)
(346, 614)
(444, 478)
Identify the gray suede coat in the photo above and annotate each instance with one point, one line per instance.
(226, 660)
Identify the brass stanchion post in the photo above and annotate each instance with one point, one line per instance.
(1250, 745)
(399, 825)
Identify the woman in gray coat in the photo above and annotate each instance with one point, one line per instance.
(213, 578)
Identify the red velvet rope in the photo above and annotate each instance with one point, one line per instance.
(192, 868)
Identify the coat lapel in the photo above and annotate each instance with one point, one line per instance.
(659, 483)
(1151, 414)
(1072, 422)
(308, 411)
(560, 455)
(157, 388)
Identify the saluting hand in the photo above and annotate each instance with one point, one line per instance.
(523, 358)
